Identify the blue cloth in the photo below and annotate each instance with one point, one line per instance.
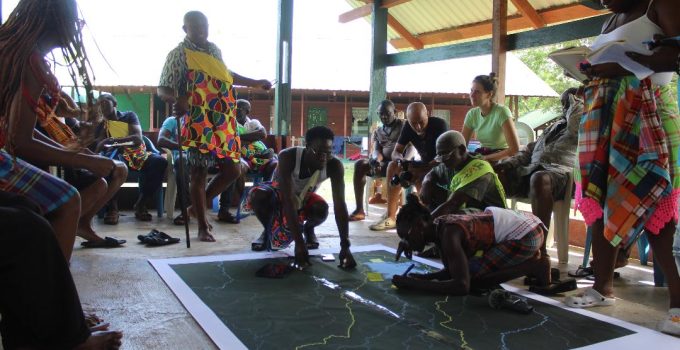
(170, 124)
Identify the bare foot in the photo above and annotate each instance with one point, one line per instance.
(357, 215)
(204, 235)
(86, 232)
(102, 341)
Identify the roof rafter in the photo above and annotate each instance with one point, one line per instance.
(554, 15)
(405, 34)
(530, 13)
(367, 9)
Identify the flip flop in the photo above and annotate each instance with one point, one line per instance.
(148, 236)
(589, 298)
(225, 216)
(178, 220)
(107, 242)
(617, 275)
(357, 217)
(581, 272)
(161, 238)
(258, 244)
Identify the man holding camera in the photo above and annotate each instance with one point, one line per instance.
(421, 132)
(384, 141)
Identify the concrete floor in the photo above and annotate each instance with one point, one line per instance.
(121, 287)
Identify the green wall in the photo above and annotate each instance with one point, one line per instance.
(138, 103)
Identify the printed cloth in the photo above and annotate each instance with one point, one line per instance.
(47, 191)
(209, 132)
(475, 169)
(628, 155)
(277, 232)
(135, 156)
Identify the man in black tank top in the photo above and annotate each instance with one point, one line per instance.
(286, 214)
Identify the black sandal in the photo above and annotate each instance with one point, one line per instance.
(258, 244)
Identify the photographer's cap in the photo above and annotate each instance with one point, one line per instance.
(447, 143)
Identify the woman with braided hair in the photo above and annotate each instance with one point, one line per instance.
(34, 29)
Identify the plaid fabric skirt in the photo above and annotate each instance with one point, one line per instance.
(47, 191)
(277, 233)
(629, 140)
(485, 255)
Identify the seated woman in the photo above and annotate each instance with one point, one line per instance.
(478, 250)
(489, 121)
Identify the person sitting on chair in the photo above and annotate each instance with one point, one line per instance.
(167, 138)
(255, 155)
(384, 141)
(120, 136)
(479, 251)
(421, 132)
(288, 206)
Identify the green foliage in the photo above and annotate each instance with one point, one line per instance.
(537, 60)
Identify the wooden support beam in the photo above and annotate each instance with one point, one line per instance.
(378, 88)
(551, 16)
(530, 13)
(367, 9)
(499, 46)
(404, 33)
(583, 28)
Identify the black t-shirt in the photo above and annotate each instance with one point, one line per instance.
(426, 145)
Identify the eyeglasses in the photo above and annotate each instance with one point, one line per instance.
(320, 154)
(443, 157)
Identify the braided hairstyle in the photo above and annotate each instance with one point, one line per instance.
(19, 35)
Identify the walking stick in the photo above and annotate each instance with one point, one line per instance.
(182, 180)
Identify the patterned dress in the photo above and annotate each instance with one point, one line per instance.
(629, 140)
(209, 133)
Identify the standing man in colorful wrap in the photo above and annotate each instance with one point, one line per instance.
(201, 87)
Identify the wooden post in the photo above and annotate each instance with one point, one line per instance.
(499, 42)
(284, 54)
(378, 67)
(302, 114)
(344, 119)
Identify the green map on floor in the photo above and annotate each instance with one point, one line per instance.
(324, 306)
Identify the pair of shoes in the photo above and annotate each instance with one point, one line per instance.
(581, 272)
(143, 216)
(377, 199)
(107, 242)
(225, 216)
(384, 224)
(357, 216)
(157, 238)
(589, 298)
(671, 324)
(111, 217)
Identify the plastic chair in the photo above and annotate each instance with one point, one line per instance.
(560, 221)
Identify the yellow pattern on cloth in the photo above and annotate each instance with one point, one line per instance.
(475, 169)
(211, 127)
(135, 156)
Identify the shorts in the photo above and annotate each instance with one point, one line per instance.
(47, 191)
(521, 188)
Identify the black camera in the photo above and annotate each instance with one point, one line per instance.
(405, 178)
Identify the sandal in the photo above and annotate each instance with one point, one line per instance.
(111, 217)
(161, 238)
(107, 242)
(357, 216)
(143, 216)
(258, 244)
(581, 272)
(589, 298)
(225, 216)
(178, 220)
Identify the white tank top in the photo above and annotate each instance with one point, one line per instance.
(298, 183)
(635, 33)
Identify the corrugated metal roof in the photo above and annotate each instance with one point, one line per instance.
(428, 16)
(537, 118)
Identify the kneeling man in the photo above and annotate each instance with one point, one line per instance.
(287, 207)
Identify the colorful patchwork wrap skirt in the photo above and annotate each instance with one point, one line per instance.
(277, 234)
(209, 133)
(628, 154)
